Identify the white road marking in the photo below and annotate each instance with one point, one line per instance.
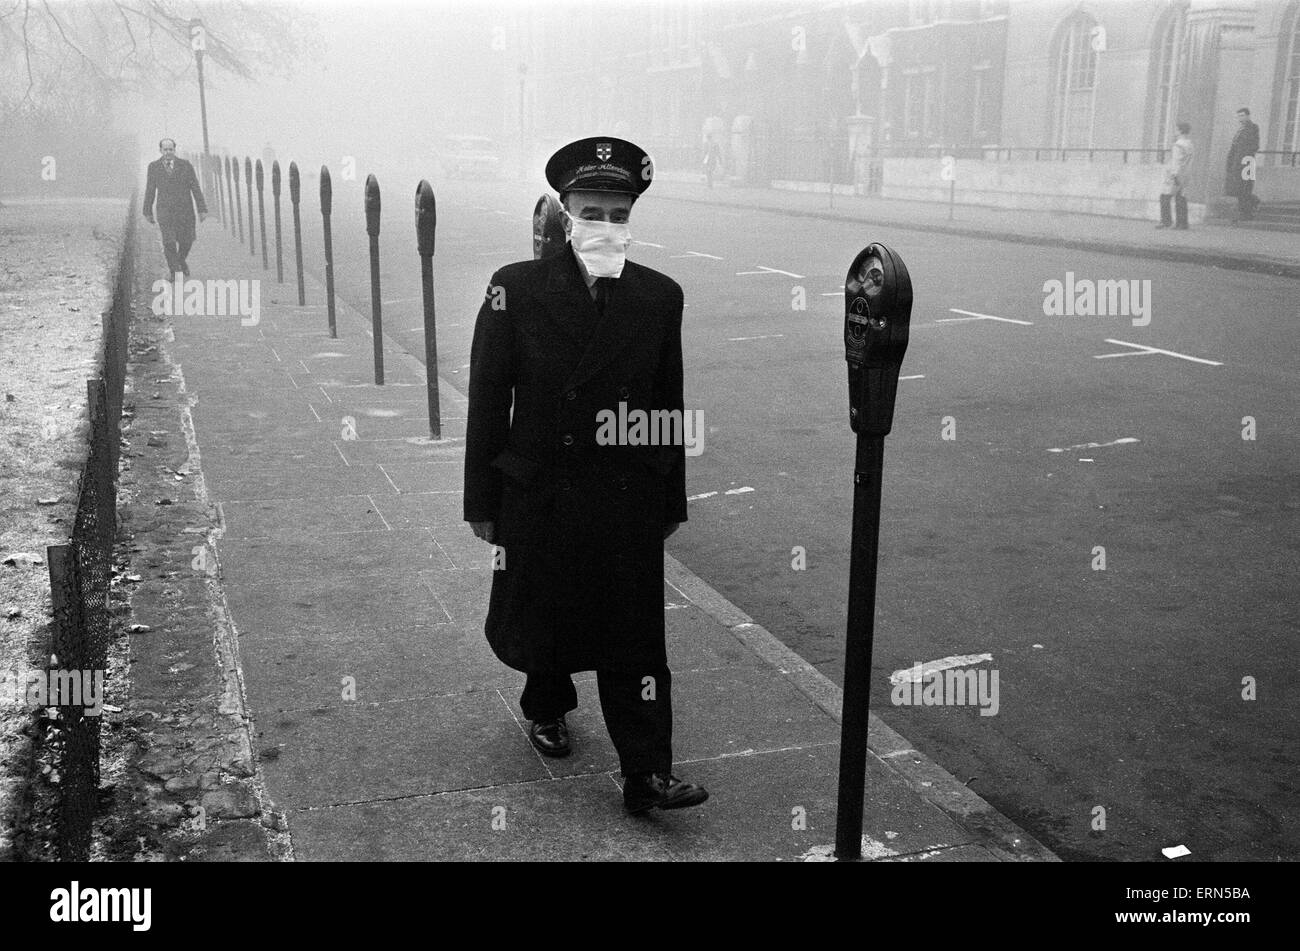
(972, 315)
(379, 513)
(919, 376)
(1142, 350)
(277, 356)
(702, 495)
(770, 270)
(1125, 440)
(401, 300)
(648, 244)
(743, 488)
(760, 337)
(314, 413)
(910, 675)
(341, 456)
(696, 254)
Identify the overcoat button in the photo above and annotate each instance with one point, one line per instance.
(622, 483)
(571, 395)
(567, 440)
(624, 392)
(566, 485)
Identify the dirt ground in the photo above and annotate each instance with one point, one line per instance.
(56, 260)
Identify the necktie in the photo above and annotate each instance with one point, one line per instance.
(602, 294)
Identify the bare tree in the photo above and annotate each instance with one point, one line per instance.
(55, 56)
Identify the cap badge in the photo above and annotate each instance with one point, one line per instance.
(604, 151)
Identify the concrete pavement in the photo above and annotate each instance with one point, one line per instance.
(1211, 244)
(387, 730)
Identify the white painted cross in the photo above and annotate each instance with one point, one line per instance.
(1142, 350)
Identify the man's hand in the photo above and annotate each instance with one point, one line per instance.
(670, 528)
(487, 531)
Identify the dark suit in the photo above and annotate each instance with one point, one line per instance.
(177, 192)
(581, 524)
(1244, 143)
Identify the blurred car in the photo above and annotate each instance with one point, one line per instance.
(469, 156)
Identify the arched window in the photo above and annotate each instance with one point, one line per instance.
(1291, 86)
(1168, 66)
(1076, 81)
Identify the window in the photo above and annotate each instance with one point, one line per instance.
(1167, 76)
(1076, 80)
(1291, 86)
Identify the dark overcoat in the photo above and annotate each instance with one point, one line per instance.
(1245, 142)
(177, 193)
(579, 525)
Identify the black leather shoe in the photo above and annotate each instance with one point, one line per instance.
(549, 737)
(645, 791)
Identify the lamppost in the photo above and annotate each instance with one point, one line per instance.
(198, 42)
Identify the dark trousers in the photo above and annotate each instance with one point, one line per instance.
(176, 245)
(641, 729)
(1246, 201)
(1180, 206)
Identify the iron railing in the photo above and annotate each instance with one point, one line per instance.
(81, 573)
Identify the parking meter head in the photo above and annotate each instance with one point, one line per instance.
(548, 227)
(234, 170)
(372, 206)
(258, 169)
(227, 164)
(248, 170)
(275, 178)
(326, 191)
(295, 183)
(426, 218)
(877, 313)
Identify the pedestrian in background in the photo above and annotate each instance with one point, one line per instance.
(1240, 182)
(1177, 175)
(173, 182)
(712, 159)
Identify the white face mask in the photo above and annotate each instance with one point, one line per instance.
(602, 245)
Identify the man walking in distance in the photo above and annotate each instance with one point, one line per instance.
(173, 182)
(1177, 175)
(578, 524)
(1240, 180)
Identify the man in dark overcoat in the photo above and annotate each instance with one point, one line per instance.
(578, 519)
(173, 182)
(1238, 181)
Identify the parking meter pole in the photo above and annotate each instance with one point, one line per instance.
(261, 214)
(294, 193)
(326, 205)
(426, 223)
(376, 303)
(230, 198)
(248, 189)
(877, 313)
(239, 205)
(275, 199)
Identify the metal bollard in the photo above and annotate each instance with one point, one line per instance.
(261, 214)
(426, 223)
(326, 202)
(376, 305)
(275, 199)
(297, 228)
(239, 206)
(877, 311)
(248, 191)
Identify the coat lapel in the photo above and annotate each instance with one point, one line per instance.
(569, 304)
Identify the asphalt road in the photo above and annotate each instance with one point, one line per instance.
(1120, 697)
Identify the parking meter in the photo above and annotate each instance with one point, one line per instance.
(426, 224)
(376, 298)
(275, 196)
(877, 311)
(295, 198)
(327, 232)
(248, 190)
(548, 227)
